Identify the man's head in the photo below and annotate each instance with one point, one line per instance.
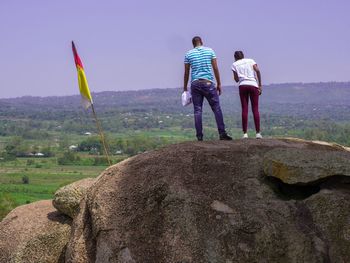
(197, 41)
(239, 55)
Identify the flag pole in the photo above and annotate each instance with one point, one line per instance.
(98, 124)
(86, 96)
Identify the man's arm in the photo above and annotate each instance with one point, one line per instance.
(258, 74)
(186, 75)
(214, 64)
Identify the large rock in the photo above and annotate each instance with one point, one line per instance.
(212, 202)
(34, 233)
(328, 214)
(303, 166)
(67, 198)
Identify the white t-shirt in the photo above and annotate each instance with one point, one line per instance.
(245, 72)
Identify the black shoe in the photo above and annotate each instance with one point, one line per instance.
(200, 138)
(225, 137)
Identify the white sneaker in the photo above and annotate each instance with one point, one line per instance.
(245, 136)
(258, 135)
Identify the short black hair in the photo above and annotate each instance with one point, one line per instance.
(197, 40)
(239, 55)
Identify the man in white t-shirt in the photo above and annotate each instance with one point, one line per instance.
(247, 74)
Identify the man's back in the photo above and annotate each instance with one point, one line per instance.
(200, 59)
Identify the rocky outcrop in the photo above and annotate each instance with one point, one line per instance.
(241, 201)
(34, 233)
(67, 198)
(267, 200)
(304, 166)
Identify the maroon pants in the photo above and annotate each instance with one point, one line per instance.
(246, 92)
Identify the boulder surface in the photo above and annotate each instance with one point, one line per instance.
(34, 233)
(67, 198)
(222, 201)
(303, 166)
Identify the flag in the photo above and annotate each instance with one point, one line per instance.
(83, 84)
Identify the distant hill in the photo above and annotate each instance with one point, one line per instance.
(316, 99)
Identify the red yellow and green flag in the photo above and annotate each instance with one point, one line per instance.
(83, 84)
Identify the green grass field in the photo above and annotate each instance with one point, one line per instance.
(45, 177)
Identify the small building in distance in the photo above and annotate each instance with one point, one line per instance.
(73, 148)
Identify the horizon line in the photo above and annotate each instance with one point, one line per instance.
(136, 90)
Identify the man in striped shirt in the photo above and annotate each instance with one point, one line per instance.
(201, 60)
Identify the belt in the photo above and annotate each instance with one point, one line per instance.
(203, 80)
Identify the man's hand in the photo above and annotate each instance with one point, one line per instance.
(186, 75)
(218, 89)
(217, 75)
(260, 90)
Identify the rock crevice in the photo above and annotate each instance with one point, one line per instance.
(305, 190)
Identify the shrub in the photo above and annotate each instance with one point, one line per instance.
(68, 158)
(48, 152)
(25, 179)
(91, 144)
(9, 157)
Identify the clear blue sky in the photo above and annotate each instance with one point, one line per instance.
(141, 44)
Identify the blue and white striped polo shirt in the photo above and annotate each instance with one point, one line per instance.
(200, 60)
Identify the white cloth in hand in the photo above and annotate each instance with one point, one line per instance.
(186, 98)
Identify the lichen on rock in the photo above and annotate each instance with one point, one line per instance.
(67, 198)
